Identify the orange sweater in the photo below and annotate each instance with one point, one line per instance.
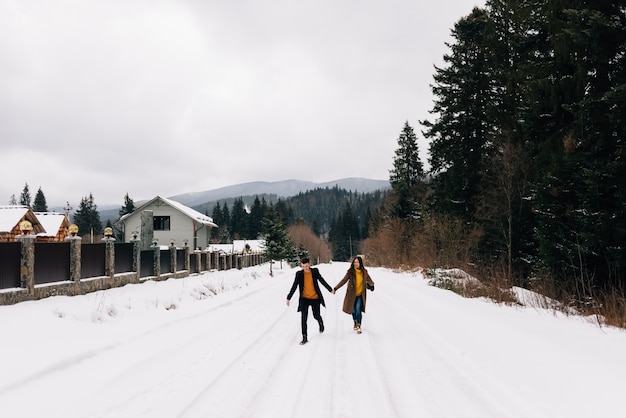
(308, 290)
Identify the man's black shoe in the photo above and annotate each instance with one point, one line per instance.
(321, 326)
(304, 340)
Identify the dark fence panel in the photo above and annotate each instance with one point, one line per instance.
(92, 260)
(10, 260)
(180, 259)
(193, 263)
(203, 261)
(52, 262)
(124, 257)
(166, 261)
(147, 263)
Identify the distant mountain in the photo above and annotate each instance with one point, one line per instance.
(284, 188)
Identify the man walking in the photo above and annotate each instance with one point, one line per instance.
(307, 280)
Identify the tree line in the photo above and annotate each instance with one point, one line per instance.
(331, 222)
(526, 153)
(337, 217)
(86, 216)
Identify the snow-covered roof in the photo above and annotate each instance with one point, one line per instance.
(10, 216)
(238, 246)
(51, 222)
(192, 213)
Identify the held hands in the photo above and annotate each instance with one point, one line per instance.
(287, 302)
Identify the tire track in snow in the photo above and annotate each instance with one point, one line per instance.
(315, 396)
(227, 394)
(78, 359)
(207, 356)
(442, 367)
(152, 376)
(262, 392)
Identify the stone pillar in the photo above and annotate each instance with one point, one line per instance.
(136, 256)
(27, 264)
(75, 257)
(198, 260)
(157, 259)
(187, 265)
(147, 229)
(109, 257)
(173, 267)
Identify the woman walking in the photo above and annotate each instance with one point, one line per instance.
(359, 282)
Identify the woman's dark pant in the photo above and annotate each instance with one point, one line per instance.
(315, 307)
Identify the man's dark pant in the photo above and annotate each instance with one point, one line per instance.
(315, 306)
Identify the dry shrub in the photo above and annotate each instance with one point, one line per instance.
(447, 241)
(303, 236)
(464, 284)
(612, 308)
(440, 241)
(387, 246)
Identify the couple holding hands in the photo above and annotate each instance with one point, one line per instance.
(308, 280)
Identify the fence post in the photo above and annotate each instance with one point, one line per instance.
(136, 255)
(75, 257)
(198, 260)
(173, 267)
(157, 259)
(109, 254)
(27, 263)
(187, 265)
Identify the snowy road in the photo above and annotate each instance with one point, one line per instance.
(424, 352)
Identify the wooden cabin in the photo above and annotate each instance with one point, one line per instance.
(55, 224)
(10, 218)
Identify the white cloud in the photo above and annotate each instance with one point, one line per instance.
(168, 97)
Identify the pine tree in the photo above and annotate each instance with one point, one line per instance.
(128, 207)
(87, 217)
(13, 200)
(257, 213)
(239, 220)
(25, 198)
(39, 205)
(579, 193)
(225, 236)
(407, 174)
(277, 244)
(464, 93)
(217, 219)
(344, 234)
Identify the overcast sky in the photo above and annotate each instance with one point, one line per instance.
(166, 97)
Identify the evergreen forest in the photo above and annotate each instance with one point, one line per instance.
(527, 158)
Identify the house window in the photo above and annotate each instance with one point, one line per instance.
(161, 223)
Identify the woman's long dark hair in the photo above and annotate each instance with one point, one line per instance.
(361, 265)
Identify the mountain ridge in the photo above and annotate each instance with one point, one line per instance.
(282, 188)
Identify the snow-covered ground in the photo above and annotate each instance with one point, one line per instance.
(225, 344)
